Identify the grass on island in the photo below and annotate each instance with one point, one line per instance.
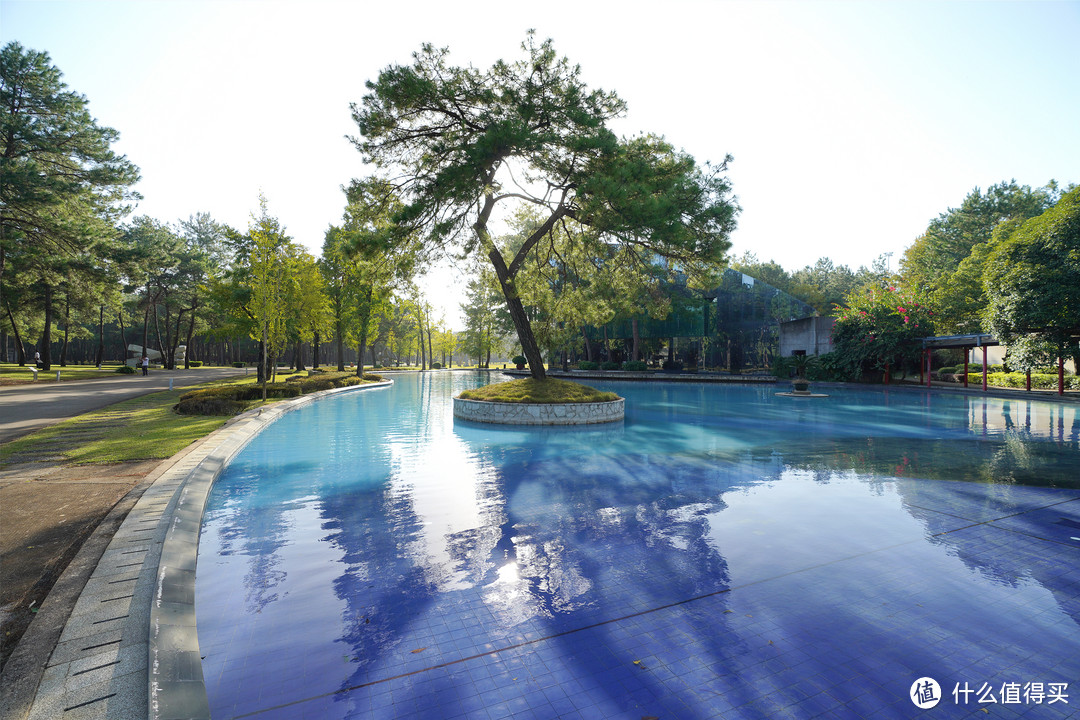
(530, 390)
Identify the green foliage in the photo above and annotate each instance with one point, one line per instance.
(125, 370)
(948, 261)
(800, 365)
(635, 365)
(195, 363)
(531, 390)
(208, 405)
(1041, 381)
(880, 326)
(610, 365)
(588, 365)
(62, 188)
(239, 364)
(230, 399)
(436, 365)
(518, 360)
(1032, 282)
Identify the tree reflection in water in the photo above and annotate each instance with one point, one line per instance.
(393, 541)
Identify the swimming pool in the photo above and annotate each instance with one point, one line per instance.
(723, 552)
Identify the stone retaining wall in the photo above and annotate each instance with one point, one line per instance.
(539, 413)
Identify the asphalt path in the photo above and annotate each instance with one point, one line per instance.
(26, 408)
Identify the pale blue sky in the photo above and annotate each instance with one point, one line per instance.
(852, 124)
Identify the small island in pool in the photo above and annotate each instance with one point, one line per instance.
(539, 402)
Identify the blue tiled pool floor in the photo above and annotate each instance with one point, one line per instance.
(479, 578)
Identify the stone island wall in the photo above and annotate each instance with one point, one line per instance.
(539, 413)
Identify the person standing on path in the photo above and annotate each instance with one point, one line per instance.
(145, 365)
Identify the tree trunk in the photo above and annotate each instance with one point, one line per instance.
(67, 330)
(173, 339)
(529, 348)
(101, 337)
(588, 345)
(635, 354)
(146, 326)
(315, 352)
(46, 336)
(420, 338)
(20, 349)
(157, 334)
(263, 369)
(190, 338)
(300, 356)
(123, 336)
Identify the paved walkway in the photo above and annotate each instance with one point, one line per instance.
(26, 408)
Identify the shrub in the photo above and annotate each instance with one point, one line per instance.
(635, 365)
(238, 364)
(879, 327)
(436, 366)
(273, 390)
(1041, 381)
(125, 370)
(208, 405)
(672, 365)
(310, 385)
(296, 378)
(371, 377)
(519, 360)
(609, 365)
(226, 391)
(194, 363)
(588, 365)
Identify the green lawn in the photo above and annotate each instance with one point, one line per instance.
(142, 428)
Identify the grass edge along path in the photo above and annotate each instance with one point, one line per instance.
(142, 428)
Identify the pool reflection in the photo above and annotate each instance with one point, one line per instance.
(406, 556)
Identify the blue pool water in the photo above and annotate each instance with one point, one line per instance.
(722, 553)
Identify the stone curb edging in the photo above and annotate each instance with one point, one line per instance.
(585, 413)
(176, 688)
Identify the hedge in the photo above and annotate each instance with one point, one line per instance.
(1042, 381)
(229, 399)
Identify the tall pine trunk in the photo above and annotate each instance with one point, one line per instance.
(100, 356)
(67, 330)
(529, 348)
(190, 339)
(20, 349)
(46, 336)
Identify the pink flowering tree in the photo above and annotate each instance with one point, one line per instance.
(881, 329)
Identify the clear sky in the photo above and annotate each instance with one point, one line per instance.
(852, 124)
